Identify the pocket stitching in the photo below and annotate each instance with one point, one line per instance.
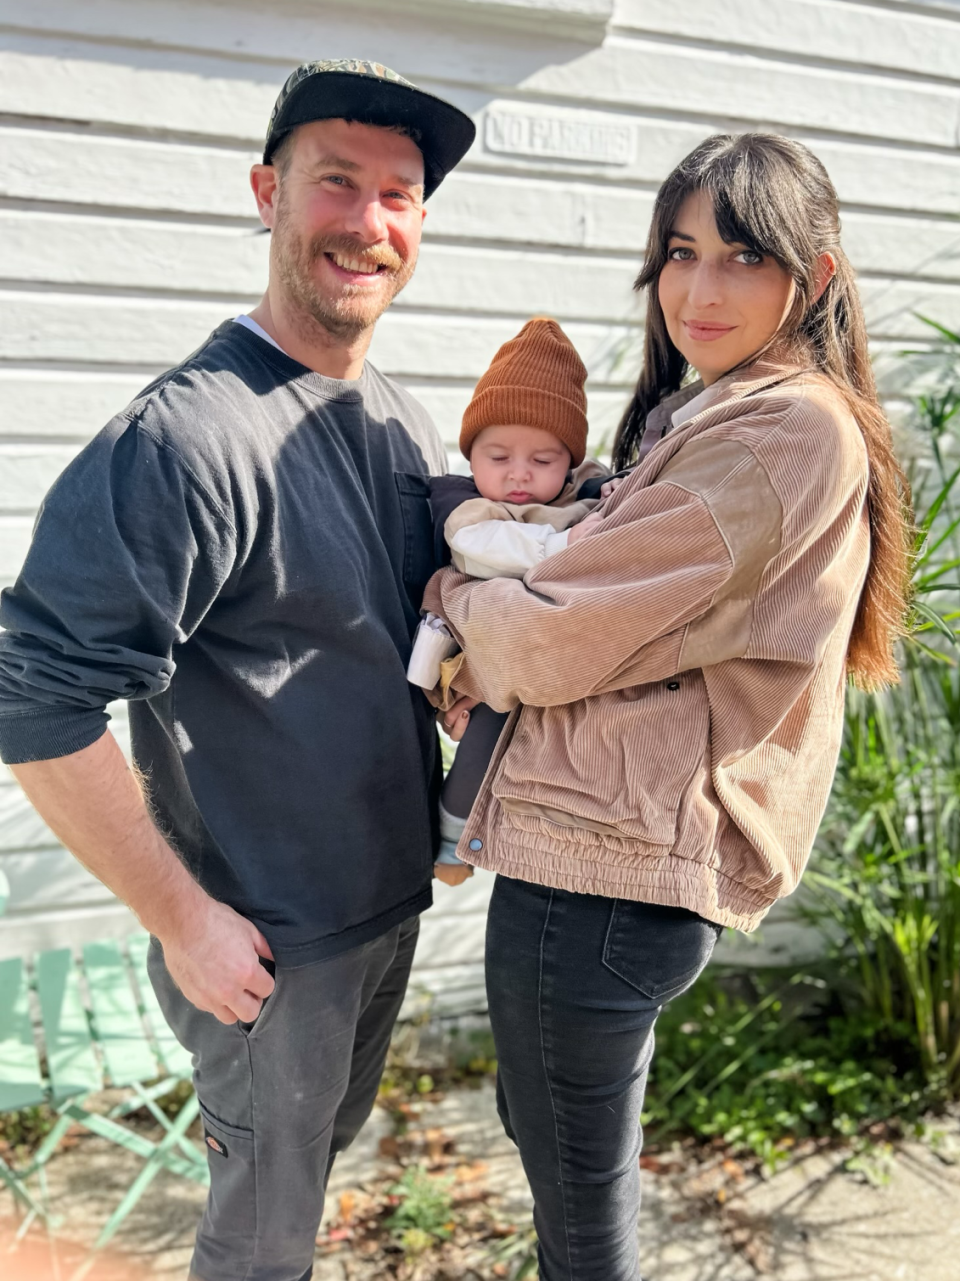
(411, 485)
(653, 992)
(233, 1131)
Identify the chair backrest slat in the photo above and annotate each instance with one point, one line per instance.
(176, 1059)
(116, 1019)
(71, 1058)
(21, 1084)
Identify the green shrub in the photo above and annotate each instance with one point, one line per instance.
(762, 1061)
(887, 864)
(425, 1209)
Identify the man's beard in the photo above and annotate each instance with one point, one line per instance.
(354, 308)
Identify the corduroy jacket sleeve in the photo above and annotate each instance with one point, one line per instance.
(614, 609)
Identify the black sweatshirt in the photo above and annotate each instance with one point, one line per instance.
(242, 553)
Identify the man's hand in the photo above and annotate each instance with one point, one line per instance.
(95, 806)
(586, 526)
(214, 959)
(456, 720)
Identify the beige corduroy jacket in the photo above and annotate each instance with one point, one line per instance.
(678, 676)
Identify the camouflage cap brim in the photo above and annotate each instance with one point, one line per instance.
(369, 92)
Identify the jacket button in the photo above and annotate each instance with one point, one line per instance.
(476, 844)
(673, 684)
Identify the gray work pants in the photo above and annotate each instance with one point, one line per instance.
(281, 1097)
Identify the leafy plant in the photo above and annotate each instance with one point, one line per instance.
(887, 866)
(425, 1209)
(763, 1060)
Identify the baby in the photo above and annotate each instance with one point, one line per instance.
(525, 436)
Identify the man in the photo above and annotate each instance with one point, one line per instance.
(241, 553)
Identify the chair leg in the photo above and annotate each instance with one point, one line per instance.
(21, 1193)
(146, 1098)
(133, 1142)
(160, 1158)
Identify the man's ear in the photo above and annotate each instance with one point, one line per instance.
(264, 180)
(826, 270)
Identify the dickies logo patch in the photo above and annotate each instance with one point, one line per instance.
(214, 1144)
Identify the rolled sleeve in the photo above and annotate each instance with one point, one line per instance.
(127, 555)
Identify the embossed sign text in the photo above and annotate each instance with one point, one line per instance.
(559, 137)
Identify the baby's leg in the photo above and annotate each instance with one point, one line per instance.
(462, 784)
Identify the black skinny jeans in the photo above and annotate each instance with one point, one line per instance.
(575, 983)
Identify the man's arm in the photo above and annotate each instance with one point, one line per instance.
(129, 553)
(92, 801)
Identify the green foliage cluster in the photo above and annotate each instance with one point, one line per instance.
(887, 867)
(23, 1131)
(424, 1213)
(762, 1062)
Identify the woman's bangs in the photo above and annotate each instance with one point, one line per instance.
(742, 211)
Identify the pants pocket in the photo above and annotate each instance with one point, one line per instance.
(232, 1205)
(269, 1003)
(660, 951)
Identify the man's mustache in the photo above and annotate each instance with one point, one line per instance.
(382, 255)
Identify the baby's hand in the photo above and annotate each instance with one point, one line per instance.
(586, 526)
(608, 486)
(452, 873)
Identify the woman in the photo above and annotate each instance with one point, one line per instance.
(678, 672)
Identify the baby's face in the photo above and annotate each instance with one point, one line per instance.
(519, 464)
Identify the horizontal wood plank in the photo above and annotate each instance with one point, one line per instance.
(27, 471)
(76, 404)
(48, 879)
(159, 331)
(14, 540)
(671, 76)
(64, 404)
(96, 252)
(228, 98)
(29, 933)
(924, 44)
(559, 207)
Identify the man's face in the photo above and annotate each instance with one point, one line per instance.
(346, 216)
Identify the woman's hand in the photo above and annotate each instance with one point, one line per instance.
(608, 486)
(586, 526)
(456, 720)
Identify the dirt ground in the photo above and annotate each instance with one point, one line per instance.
(814, 1221)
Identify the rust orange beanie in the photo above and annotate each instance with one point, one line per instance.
(534, 380)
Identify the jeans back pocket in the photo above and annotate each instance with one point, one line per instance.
(660, 951)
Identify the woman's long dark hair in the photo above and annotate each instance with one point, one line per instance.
(773, 195)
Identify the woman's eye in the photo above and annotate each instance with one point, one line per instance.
(680, 254)
(750, 257)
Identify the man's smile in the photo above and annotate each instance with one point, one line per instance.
(356, 270)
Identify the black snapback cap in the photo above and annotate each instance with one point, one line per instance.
(369, 92)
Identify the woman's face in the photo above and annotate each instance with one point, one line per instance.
(721, 302)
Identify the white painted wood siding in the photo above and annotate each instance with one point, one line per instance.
(127, 230)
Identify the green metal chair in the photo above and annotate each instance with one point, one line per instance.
(100, 1024)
